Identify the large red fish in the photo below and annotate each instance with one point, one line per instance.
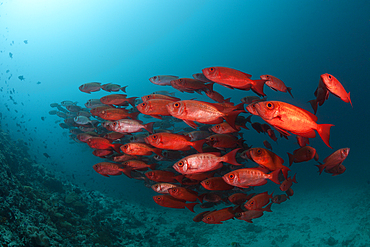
(102, 143)
(335, 87)
(257, 202)
(111, 169)
(202, 112)
(286, 117)
(155, 108)
(233, 78)
(203, 162)
(246, 177)
(302, 154)
(173, 142)
(136, 148)
(216, 217)
(171, 202)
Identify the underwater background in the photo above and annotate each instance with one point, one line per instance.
(49, 48)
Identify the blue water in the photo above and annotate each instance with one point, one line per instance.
(58, 46)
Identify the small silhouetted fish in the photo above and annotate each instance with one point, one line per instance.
(25, 41)
(10, 55)
(43, 118)
(21, 77)
(39, 82)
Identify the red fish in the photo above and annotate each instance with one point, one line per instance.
(184, 194)
(204, 162)
(286, 117)
(286, 184)
(112, 169)
(276, 84)
(113, 114)
(267, 145)
(233, 78)
(102, 143)
(225, 128)
(239, 198)
(216, 217)
(136, 148)
(321, 94)
(138, 165)
(302, 154)
(102, 152)
(246, 177)
(163, 176)
(268, 159)
(173, 142)
(191, 85)
(154, 107)
(202, 112)
(257, 202)
(216, 183)
(159, 96)
(279, 198)
(335, 87)
(249, 215)
(222, 141)
(333, 160)
(336, 170)
(130, 126)
(170, 202)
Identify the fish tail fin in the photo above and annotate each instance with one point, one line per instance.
(231, 117)
(268, 208)
(240, 106)
(198, 145)
(179, 178)
(230, 157)
(157, 151)
(149, 127)
(116, 147)
(275, 176)
(209, 86)
(324, 132)
(131, 101)
(313, 105)
(134, 115)
(349, 98)
(321, 168)
(289, 89)
(190, 206)
(152, 166)
(123, 89)
(291, 158)
(294, 180)
(126, 171)
(258, 87)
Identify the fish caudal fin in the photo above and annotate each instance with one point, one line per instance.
(291, 158)
(123, 89)
(230, 157)
(321, 167)
(190, 206)
(131, 101)
(149, 127)
(275, 176)
(349, 99)
(267, 208)
(134, 115)
(116, 147)
(257, 87)
(324, 132)
(289, 89)
(314, 104)
(231, 117)
(198, 145)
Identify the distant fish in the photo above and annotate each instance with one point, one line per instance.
(21, 77)
(165, 93)
(46, 155)
(163, 80)
(25, 41)
(39, 82)
(110, 87)
(276, 84)
(90, 87)
(10, 55)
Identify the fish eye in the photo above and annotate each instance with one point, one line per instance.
(259, 151)
(156, 186)
(270, 105)
(154, 137)
(217, 126)
(180, 164)
(159, 198)
(143, 104)
(177, 105)
(252, 202)
(207, 182)
(211, 69)
(125, 146)
(208, 218)
(212, 139)
(155, 77)
(329, 76)
(114, 123)
(174, 190)
(180, 80)
(231, 176)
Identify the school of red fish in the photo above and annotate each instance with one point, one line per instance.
(204, 164)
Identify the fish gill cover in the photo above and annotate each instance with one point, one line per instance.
(122, 128)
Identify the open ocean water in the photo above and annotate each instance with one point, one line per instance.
(50, 195)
